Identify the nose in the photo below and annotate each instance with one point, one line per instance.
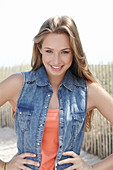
(56, 58)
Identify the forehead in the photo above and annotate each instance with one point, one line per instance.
(56, 40)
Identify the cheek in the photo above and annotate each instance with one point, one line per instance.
(69, 59)
(45, 59)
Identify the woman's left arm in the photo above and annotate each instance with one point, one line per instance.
(100, 99)
(79, 164)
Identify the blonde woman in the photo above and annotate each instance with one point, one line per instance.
(54, 101)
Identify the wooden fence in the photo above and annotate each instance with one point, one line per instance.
(99, 140)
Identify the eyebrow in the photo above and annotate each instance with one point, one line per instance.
(60, 49)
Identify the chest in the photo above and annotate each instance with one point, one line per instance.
(54, 103)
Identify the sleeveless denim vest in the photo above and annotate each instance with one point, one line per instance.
(32, 108)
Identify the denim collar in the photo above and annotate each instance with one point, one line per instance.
(68, 82)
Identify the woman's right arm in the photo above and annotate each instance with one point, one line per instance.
(10, 89)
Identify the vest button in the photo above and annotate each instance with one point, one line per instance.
(48, 95)
(20, 113)
(45, 107)
(38, 144)
(41, 125)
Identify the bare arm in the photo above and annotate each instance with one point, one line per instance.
(106, 164)
(100, 99)
(9, 92)
(79, 164)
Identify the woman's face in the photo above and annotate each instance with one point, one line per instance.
(56, 54)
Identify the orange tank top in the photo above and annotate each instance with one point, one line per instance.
(50, 140)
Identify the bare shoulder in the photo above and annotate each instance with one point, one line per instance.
(15, 80)
(95, 90)
(93, 87)
(10, 88)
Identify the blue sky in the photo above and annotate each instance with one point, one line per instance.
(20, 21)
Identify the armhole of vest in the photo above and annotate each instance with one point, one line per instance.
(86, 84)
(86, 95)
(23, 73)
(19, 98)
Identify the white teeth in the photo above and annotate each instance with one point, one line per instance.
(56, 67)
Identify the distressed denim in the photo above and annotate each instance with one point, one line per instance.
(32, 108)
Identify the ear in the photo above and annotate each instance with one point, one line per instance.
(39, 48)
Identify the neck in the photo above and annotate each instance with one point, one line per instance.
(56, 81)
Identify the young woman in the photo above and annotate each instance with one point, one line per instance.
(54, 101)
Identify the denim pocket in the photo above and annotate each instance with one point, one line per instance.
(78, 117)
(24, 118)
(77, 120)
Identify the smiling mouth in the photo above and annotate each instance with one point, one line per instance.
(56, 67)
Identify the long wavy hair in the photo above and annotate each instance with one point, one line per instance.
(79, 66)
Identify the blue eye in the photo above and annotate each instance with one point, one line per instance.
(48, 51)
(65, 52)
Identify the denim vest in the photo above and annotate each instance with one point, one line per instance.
(32, 108)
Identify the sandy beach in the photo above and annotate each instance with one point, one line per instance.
(8, 147)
